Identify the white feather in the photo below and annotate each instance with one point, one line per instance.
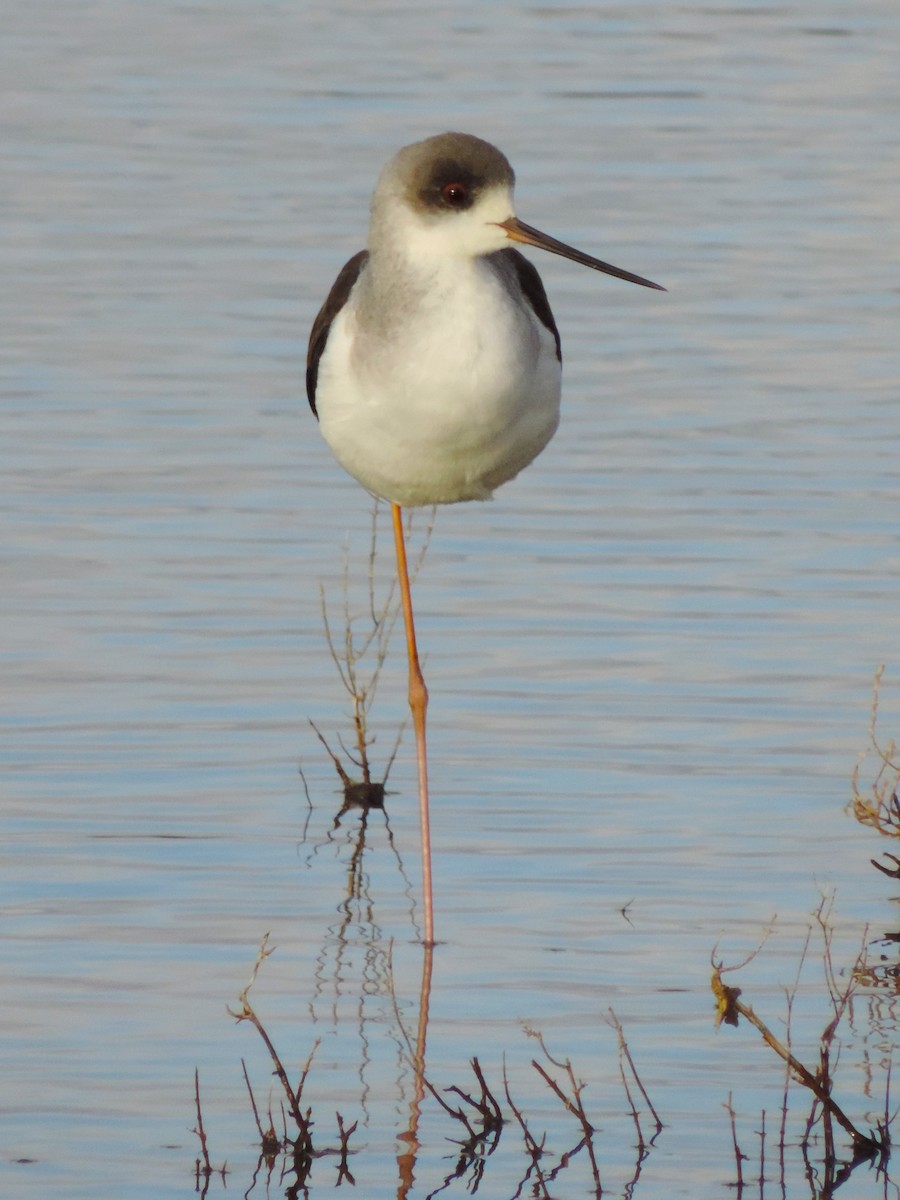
(438, 383)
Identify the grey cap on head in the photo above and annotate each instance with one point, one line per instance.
(422, 172)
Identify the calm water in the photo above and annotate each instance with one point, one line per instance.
(650, 658)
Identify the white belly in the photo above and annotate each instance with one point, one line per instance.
(450, 404)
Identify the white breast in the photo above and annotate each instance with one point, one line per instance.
(447, 402)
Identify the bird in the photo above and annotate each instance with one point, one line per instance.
(434, 366)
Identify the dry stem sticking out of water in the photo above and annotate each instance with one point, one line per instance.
(489, 1119)
(300, 1144)
(820, 1083)
(246, 1013)
(482, 1130)
(533, 1148)
(739, 1157)
(348, 654)
(269, 1141)
(625, 1057)
(203, 1168)
(571, 1102)
(879, 808)
(479, 1114)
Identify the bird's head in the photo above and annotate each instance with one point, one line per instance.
(451, 196)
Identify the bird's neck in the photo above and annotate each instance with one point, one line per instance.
(400, 287)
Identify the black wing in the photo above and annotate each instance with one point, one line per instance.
(318, 336)
(533, 288)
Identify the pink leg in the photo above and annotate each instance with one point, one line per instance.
(418, 703)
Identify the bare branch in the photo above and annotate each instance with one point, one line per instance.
(729, 1008)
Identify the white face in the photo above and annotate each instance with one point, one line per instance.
(443, 199)
(424, 233)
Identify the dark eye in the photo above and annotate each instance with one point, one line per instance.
(455, 195)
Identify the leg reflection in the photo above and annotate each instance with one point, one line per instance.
(406, 1159)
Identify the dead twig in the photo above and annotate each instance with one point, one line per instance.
(206, 1168)
(490, 1116)
(879, 808)
(482, 1134)
(729, 1008)
(246, 1013)
(739, 1156)
(270, 1142)
(486, 1105)
(349, 653)
(203, 1168)
(344, 1135)
(625, 1054)
(533, 1149)
(572, 1103)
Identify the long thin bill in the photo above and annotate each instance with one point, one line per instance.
(520, 232)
